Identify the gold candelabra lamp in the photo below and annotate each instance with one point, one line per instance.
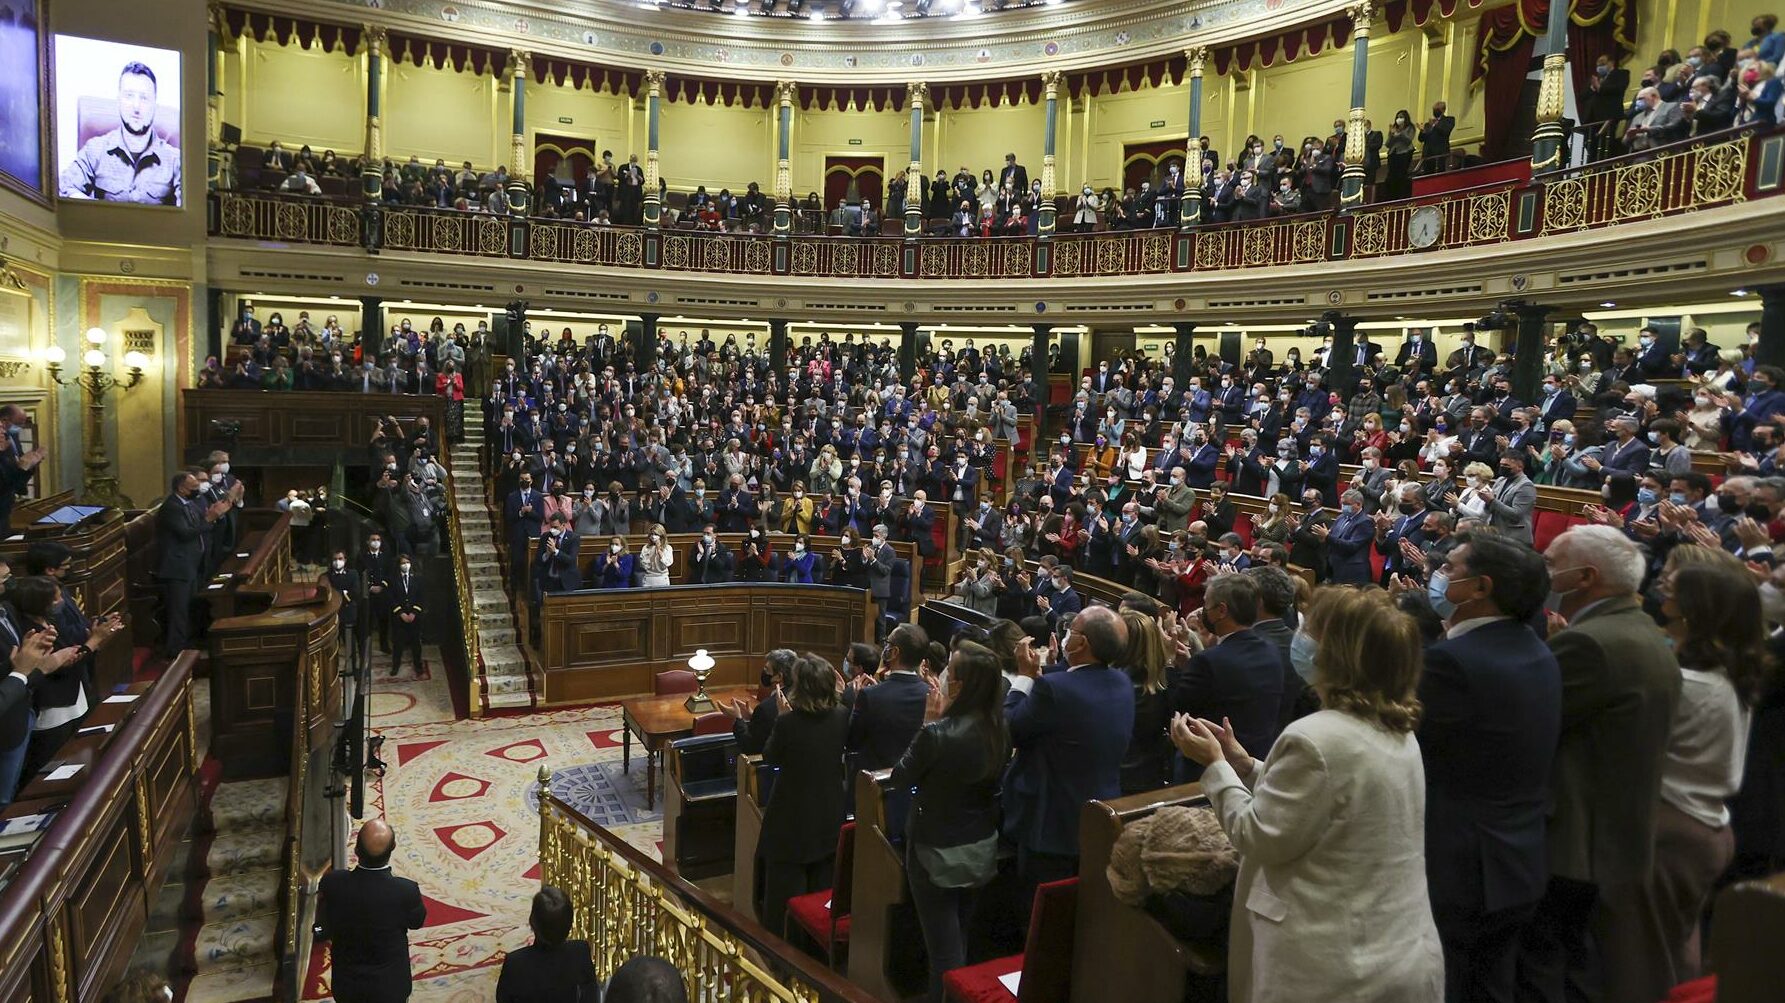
(99, 486)
(702, 665)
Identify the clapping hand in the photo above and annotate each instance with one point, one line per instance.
(1197, 743)
(935, 701)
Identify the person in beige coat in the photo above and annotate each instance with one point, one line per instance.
(1331, 901)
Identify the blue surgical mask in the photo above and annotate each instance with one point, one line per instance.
(1646, 497)
(1301, 656)
(1677, 497)
(1436, 587)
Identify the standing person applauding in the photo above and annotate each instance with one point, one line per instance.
(1331, 899)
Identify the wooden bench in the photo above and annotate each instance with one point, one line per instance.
(1745, 937)
(755, 778)
(886, 953)
(1121, 952)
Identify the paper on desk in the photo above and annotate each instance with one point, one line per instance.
(121, 698)
(99, 728)
(63, 772)
(214, 587)
(1011, 980)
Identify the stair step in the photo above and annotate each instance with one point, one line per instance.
(243, 941)
(509, 701)
(242, 850)
(498, 635)
(250, 804)
(229, 897)
(233, 985)
(506, 684)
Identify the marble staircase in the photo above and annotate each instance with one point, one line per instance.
(501, 675)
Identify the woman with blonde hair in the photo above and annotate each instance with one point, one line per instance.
(1147, 764)
(1471, 502)
(655, 558)
(1273, 525)
(826, 471)
(1331, 901)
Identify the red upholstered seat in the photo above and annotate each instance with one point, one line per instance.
(824, 915)
(1242, 524)
(1546, 526)
(939, 535)
(1046, 961)
(1697, 991)
(674, 681)
(712, 724)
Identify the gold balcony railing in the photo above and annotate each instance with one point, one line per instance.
(1728, 167)
(461, 575)
(627, 904)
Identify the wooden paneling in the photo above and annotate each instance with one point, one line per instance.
(272, 671)
(289, 427)
(97, 578)
(604, 644)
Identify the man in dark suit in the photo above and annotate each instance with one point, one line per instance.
(1627, 453)
(879, 559)
(710, 562)
(982, 527)
(1492, 699)
(1098, 546)
(1015, 176)
(887, 714)
(366, 915)
(351, 623)
(1055, 597)
(1434, 139)
(1417, 356)
(1348, 542)
(1620, 683)
(407, 598)
(377, 563)
(182, 535)
(523, 513)
(1558, 404)
(1238, 676)
(1400, 533)
(17, 466)
(1070, 730)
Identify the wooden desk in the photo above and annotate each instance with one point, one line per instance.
(659, 720)
(83, 749)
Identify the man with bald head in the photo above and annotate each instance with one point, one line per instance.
(367, 913)
(1070, 730)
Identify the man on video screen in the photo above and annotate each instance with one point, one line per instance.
(129, 163)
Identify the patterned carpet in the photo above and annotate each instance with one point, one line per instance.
(463, 797)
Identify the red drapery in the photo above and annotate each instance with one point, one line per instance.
(1507, 36)
(432, 52)
(287, 30)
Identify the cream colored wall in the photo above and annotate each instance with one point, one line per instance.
(430, 113)
(301, 96)
(1680, 24)
(288, 307)
(1127, 117)
(980, 137)
(818, 134)
(602, 118)
(716, 146)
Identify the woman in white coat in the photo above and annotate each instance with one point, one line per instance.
(1331, 900)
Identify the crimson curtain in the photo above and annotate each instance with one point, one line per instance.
(1506, 39)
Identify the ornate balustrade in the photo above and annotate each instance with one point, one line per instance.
(627, 904)
(1716, 170)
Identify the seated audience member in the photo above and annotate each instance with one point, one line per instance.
(1333, 817)
(552, 969)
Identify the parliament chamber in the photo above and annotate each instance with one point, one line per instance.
(867, 501)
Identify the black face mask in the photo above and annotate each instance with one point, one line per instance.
(1408, 508)
(1726, 502)
(1758, 512)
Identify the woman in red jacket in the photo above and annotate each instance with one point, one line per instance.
(450, 383)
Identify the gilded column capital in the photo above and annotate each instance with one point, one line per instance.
(214, 16)
(918, 92)
(376, 38)
(1361, 14)
(1198, 58)
(519, 63)
(786, 92)
(654, 82)
(1052, 80)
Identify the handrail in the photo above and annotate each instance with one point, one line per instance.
(628, 904)
(461, 575)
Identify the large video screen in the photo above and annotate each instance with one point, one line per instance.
(21, 119)
(117, 122)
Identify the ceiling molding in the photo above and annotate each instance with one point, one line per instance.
(1085, 35)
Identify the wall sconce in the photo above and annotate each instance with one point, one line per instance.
(99, 486)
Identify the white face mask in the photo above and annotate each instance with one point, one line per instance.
(340, 565)
(374, 546)
(613, 548)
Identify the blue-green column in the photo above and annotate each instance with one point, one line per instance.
(1352, 181)
(784, 93)
(1191, 213)
(653, 98)
(1045, 213)
(915, 93)
(372, 171)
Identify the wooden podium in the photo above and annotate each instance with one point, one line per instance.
(97, 579)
